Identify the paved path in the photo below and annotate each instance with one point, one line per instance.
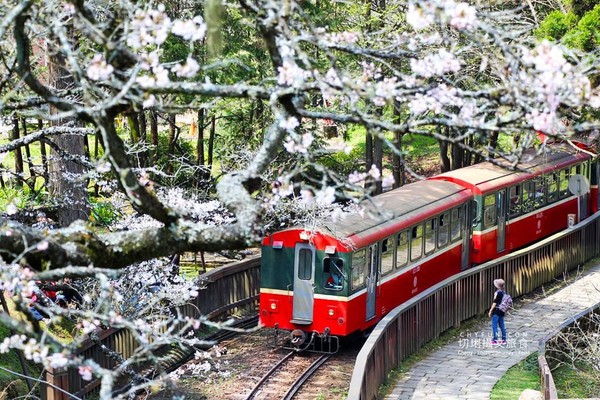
(469, 367)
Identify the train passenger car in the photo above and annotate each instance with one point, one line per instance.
(514, 209)
(343, 276)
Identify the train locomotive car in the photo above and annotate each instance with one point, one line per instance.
(513, 209)
(343, 276)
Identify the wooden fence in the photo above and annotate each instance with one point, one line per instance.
(227, 289)
(551, 348)
(406, 328)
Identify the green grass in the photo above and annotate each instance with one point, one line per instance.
(11, 385)
(524, 375)
(576, 383)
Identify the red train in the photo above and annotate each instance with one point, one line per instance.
(343, 277)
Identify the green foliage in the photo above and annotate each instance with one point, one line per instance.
(524, 375)
(345, 164)
(21, 197)
(102, 212)
(580, 7)
(581, 33)
(556, 25)
(586, 36)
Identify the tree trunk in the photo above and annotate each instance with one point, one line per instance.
(43, 153)
(65, 184)
(18, 153)
(143, 139)
(397, 164)
(444, 159)
(211, 141)
(378, 161)
(200, 139)
(154, 136)
(29, 161)
(172, 137)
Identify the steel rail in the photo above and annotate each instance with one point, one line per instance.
(306, 375)
(265, 377)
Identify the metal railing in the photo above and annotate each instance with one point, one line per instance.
(406, 328)
(227, 289)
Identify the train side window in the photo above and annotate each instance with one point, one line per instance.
(333, 273)
(416, 242)
(540, 192)
(402, 249)
(387, 255)
(475, 212)
(514, 194)
(430, 230)
(359, 268)
(457, 219)
(528, 196)
(552, 181)
(489, 210)
(443, 228)
(305, 264)
(563, 183)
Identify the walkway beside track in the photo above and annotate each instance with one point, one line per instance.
(469, 366)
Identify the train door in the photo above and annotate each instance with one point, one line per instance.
(464, 218)
(501, 218)
(371, 280)
(304, 279)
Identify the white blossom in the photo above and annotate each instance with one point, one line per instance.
(11, 208)
(462, 15)
(436, 64)
(85, 371)
(289, 124)
(99, 69)
(418, 18)
(187, 70)
(292, 145)
(192, 30)
(291, 74)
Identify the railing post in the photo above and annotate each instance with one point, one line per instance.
(56, 386)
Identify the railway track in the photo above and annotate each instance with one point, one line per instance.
(291, 372)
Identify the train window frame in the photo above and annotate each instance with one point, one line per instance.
(357, 280)
(455, 236)
(333, 281)
(406, 252)
(563, 183)
(490, 210)
(541, 194)
(418, 229)
(528, 196)
(430, 235)
(515, 200)
(552, 187)
(391, 243)
(443, 230)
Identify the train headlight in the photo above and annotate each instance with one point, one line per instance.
(331, 312)
(274, 306)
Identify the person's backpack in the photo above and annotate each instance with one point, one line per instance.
(505, 303)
